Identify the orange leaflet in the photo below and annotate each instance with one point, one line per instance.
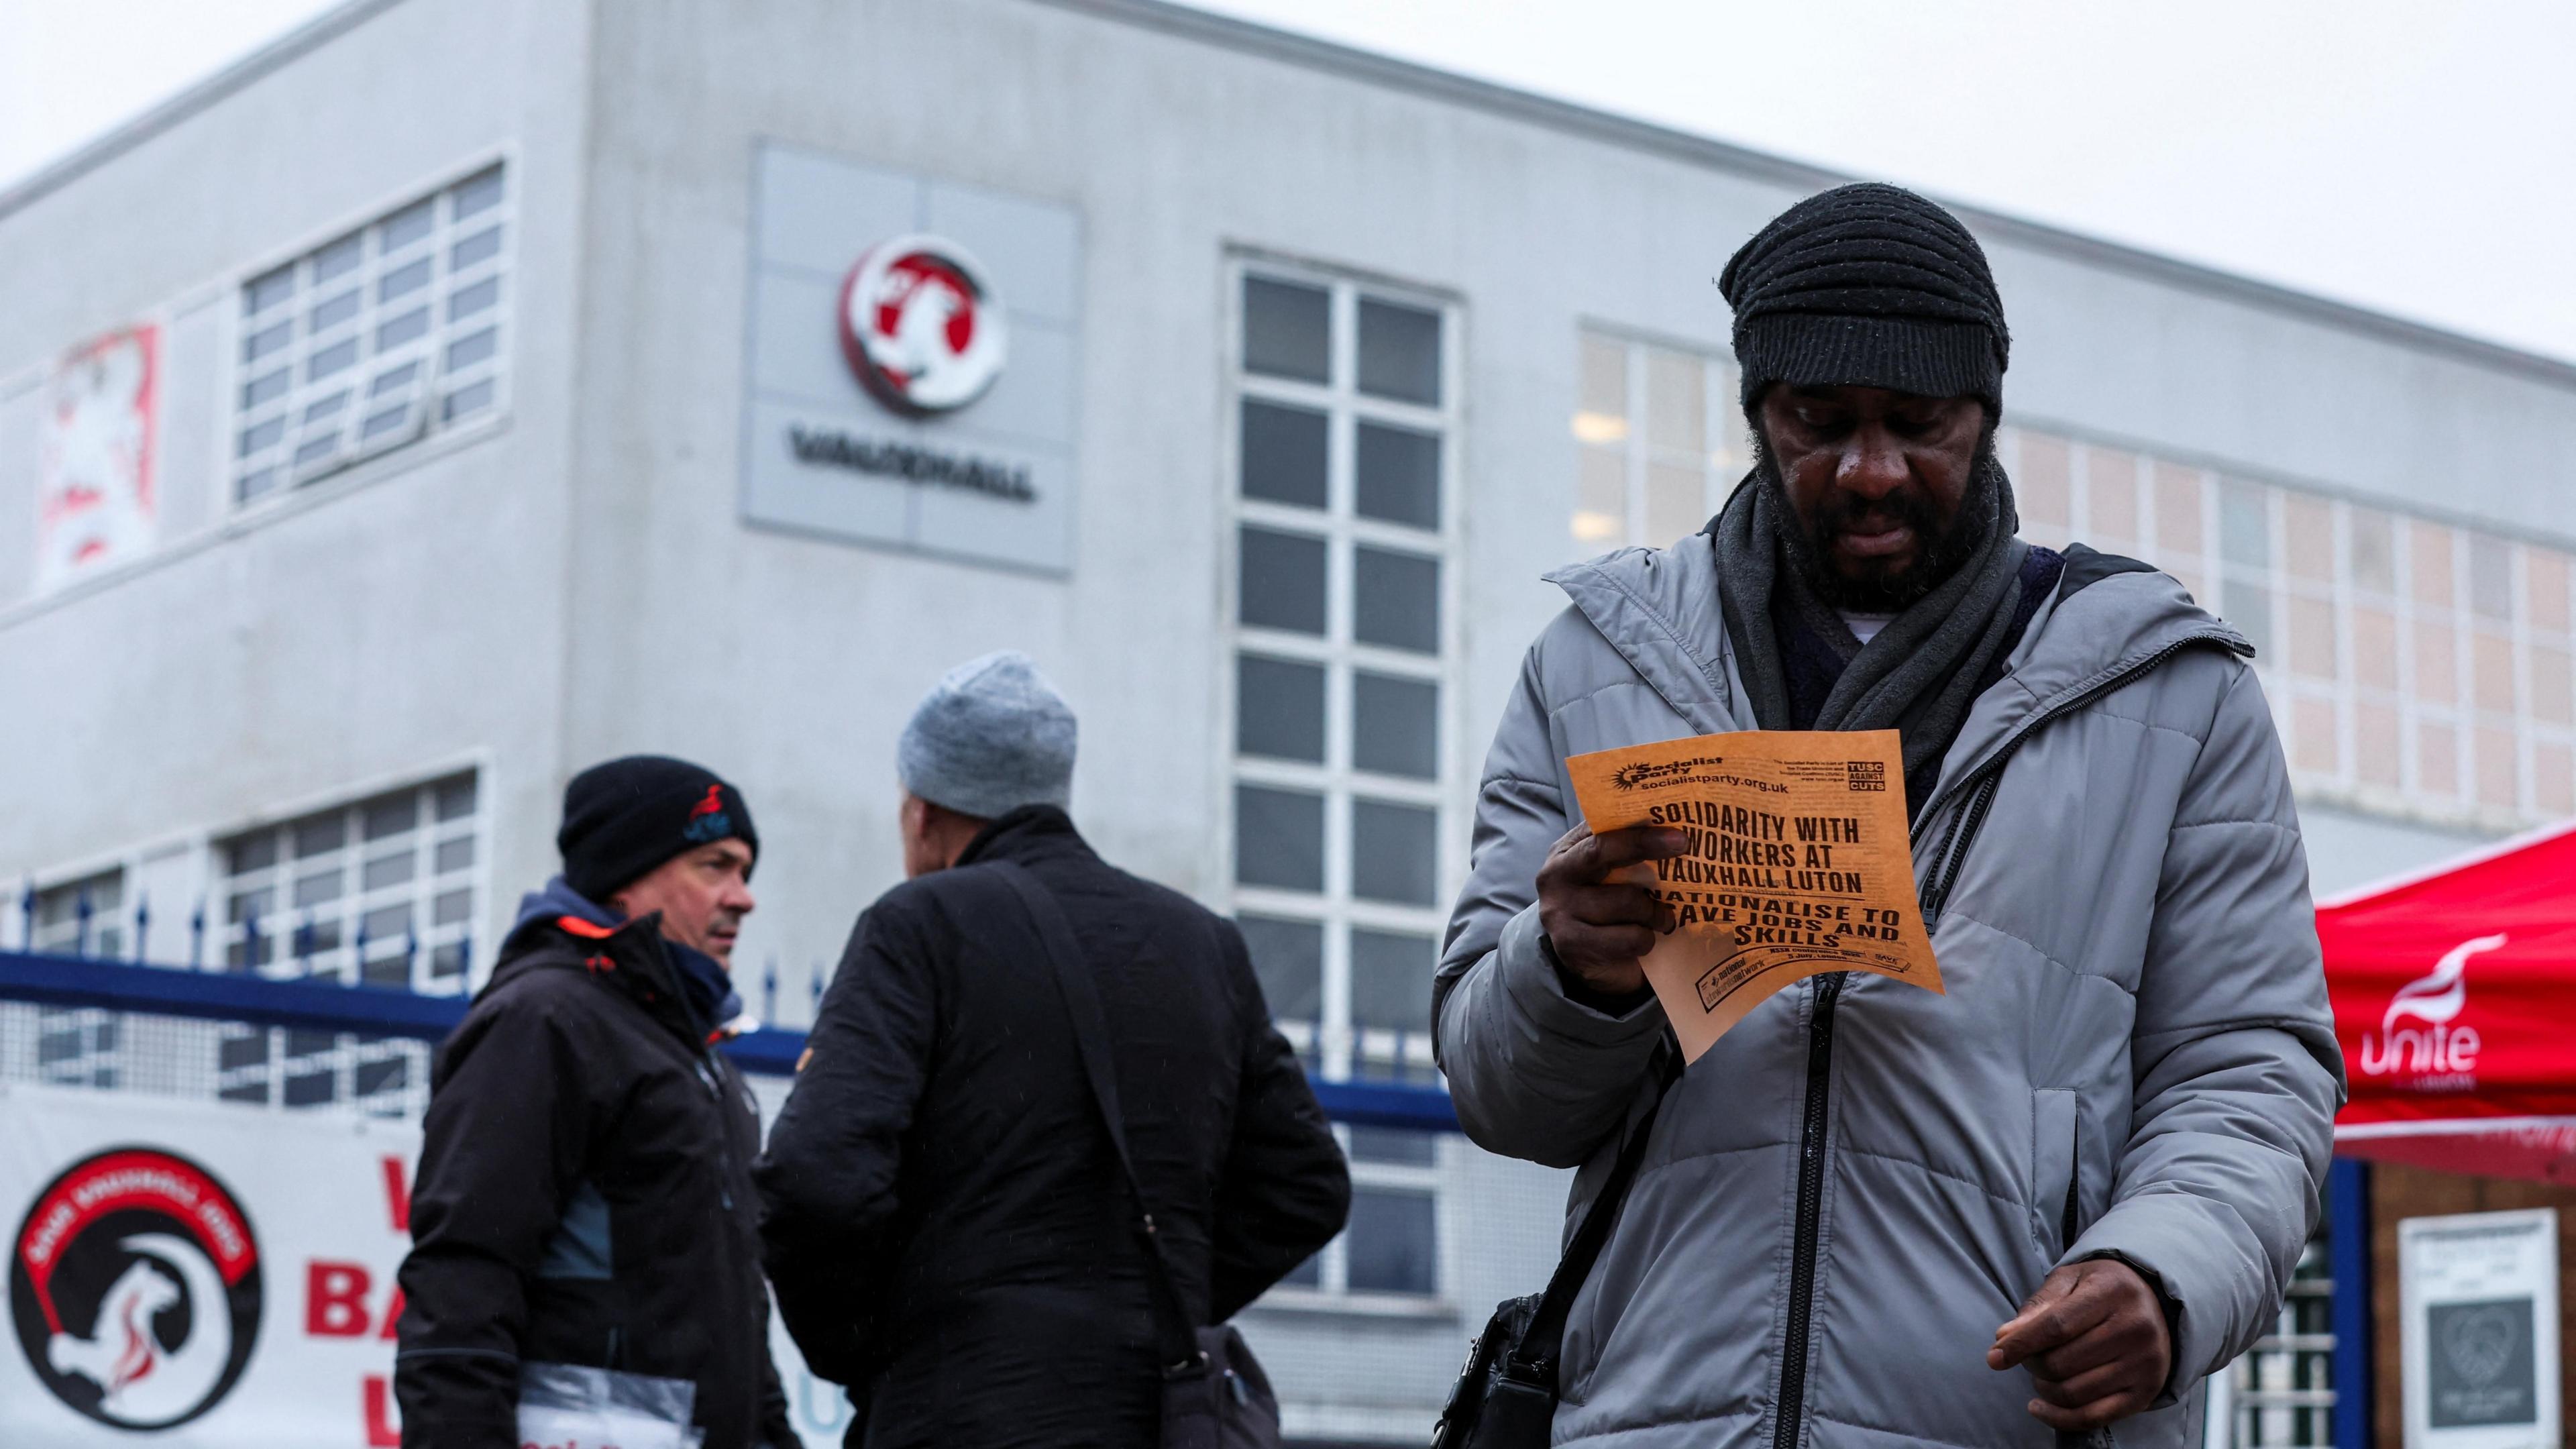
(1797, 863)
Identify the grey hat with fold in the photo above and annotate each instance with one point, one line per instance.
(991, 737)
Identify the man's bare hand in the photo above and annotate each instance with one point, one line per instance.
(1598, 926)
(2094, 1336)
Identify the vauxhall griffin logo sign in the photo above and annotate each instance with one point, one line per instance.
(921, 325)
(922, 393)
(134, 1287)
(923, 330)
(2420, 1038)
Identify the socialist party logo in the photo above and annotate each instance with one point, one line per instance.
(134, 1287)
(921, 325)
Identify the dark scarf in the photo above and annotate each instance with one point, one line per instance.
(1918, 675)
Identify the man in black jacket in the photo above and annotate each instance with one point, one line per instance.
(584, 1194)
(944, 1215)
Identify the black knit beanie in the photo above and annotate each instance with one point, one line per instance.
(1868, 285)
(625, 817)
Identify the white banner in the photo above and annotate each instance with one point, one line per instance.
(204, 1275)
(197, 1273)
(95, 501)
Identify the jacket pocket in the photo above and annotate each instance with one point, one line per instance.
(2052, 1169)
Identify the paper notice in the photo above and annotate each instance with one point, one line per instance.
(1798, 863)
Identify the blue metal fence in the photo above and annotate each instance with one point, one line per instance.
(69, 981)
(380, 1012)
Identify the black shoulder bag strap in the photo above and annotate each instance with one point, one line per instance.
(1534, 1362)
(1180, 1350)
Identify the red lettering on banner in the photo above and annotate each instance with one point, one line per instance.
(382, 1430)
(393, 1315)
(397, 1194)
(335, 1300)
(113, 1182)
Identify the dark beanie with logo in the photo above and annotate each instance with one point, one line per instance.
(1868, 285)
(623, 818)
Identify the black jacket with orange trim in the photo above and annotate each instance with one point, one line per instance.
(584, 1197)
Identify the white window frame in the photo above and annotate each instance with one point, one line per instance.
(1334, 1047)
(1726, 449)
(98, 1035)
(1333, 1043)
(343, 1059)
(2527, 731)
(1332, 1290)
(92, 938)
(419, 893)
(430, 390)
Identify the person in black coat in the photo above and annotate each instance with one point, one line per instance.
(943, 1213)
(584, 1194)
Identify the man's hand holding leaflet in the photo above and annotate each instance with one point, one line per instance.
(1793, 859)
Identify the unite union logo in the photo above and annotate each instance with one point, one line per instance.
(2436, 1054)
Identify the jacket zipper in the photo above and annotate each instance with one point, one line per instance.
(2074, 1183)
(1811, 1201)
(1987, 776)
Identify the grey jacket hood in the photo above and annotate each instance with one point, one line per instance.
(2135, 1056)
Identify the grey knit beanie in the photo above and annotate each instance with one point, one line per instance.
(992, 736)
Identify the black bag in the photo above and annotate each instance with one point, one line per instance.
(1506, 1396)
(1215, 1395)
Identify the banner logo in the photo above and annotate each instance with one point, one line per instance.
(2438, 1055)
(921, 325)
(708, 819)
(134, 1287)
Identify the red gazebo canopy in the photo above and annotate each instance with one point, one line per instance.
(2455, 1000)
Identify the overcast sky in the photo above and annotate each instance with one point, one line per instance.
(2415, 157)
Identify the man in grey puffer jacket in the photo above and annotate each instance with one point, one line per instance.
(2070, 1189)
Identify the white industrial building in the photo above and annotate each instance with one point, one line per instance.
(459, 392)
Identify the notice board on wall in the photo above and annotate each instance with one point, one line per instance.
(2478, 1313)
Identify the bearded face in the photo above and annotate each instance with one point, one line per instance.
(1888, 493)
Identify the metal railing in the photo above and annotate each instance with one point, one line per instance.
(370, 1015)
(2282, 1391)
(248, 1037)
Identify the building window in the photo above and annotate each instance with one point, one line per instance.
(380, 891)
(2282, 1390)
(1343, 471)
(2412, 666)
(293, 1067)
(374, 339)
(1392, 1243)
(83, 917)
(1660, 441)
(78, 1046)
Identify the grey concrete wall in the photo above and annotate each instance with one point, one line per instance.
(545, 594)
(2217, 378)
(1174, 150)
(395, 618)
